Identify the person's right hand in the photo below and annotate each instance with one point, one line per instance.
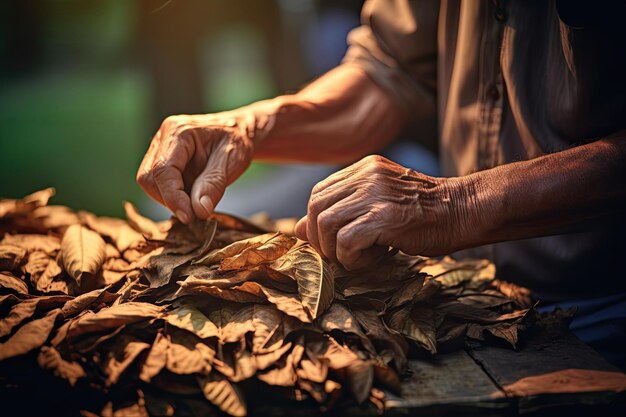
(191, 160)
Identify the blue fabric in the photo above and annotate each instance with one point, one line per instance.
(601, 323)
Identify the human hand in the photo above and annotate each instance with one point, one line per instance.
(192, 158)
(356, 214)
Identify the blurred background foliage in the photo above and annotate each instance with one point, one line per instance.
(85, 83)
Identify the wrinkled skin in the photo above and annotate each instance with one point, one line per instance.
(356, 214)
(191, 161)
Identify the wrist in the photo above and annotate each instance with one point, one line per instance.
(472, 205)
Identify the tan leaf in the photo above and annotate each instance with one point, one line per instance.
(117, 230)
(313, 371)
(314, 276)
(47, 277)
(123, 353)
(18, 313)
(232, 324)
(189, 318)
(338, 317)
(234, 249)
(30, 336)
(11, 257)
(50, 358)
(27, 204)
(82, 252)
(289, 304)
(284, 374)
(268, 251)
(142, 224)
(48, 244)
(113, 317)
(11, 282)
(187, 354)
(156, 359)
(223, 394)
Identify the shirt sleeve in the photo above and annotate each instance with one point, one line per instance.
(396, 45)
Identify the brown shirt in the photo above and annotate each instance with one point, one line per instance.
(503, 81)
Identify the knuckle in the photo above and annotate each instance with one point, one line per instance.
(317, 188)
(344, 238)
(325, 221)
(143, 178)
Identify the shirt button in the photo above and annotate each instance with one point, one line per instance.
(500, 15)
(493, 93)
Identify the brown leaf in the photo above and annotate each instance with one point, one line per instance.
(234, 249)
(84, 301)
(44, 282)
(408, 291)
(156, 359)
(113, 317)
(27, 204)
(187, 354)
(82, 252)
(50, 358)
(18, 314)
(11, 282)
(338, 317)
(417, 324)
(360, 378)
(119, 231)
(124, 352)
(30, 336)
(289, 304)
(232, 324)
(142, 224)
(253, 255)
(37, 264)
(284, 374)
(48, 244)
(315, 278)
(189, 318)
(223, 394)
(11, 257)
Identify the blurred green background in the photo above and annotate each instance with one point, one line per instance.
(85, 83)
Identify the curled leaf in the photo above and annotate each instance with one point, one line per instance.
(315, 278)
(82, 251)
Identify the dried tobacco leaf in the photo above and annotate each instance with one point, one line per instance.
(11, 257)
(193, 309)
(30, 336)
(11, 282)
(50, 358)
(315, 278)
(9, 207)
(82, 253)
(223, 394)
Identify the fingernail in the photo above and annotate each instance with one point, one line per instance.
(206, 202)
(182, 216)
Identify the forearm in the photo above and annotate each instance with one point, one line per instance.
(338, 118)
(564, 192)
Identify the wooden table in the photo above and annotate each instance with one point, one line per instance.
(551, 372)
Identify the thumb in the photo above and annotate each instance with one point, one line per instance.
(300, 229)
(208, 188)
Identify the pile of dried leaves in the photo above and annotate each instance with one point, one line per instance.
(139, 310)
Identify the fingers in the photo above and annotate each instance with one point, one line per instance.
(356, 243)
(161, 174)
(300, 229)
(331, 220)
(144, 175)
(209, 187)
(325, 194)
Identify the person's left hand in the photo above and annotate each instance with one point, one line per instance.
(356, 214)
